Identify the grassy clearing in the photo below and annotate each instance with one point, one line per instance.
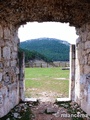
(49, 80)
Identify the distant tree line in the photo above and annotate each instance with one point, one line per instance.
(31, 55)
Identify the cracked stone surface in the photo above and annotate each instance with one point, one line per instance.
(76, 12)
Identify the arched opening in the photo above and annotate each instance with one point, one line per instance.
(59, 70)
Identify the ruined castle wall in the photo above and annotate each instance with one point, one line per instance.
(9, 69)
(82, 78)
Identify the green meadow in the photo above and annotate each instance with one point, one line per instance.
(51, 81)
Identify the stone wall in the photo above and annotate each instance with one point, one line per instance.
(9, 69)
(82, 82)
(72, 72)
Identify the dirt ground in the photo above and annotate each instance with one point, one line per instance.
(48, 111)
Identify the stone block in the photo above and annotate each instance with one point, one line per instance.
(14, 55)
(87, 44)
(2, 43)
(6, 52)
(1, 65)
(6, 63)
(1, 32)
(82, 60)
(6, 33)
(4, 91)
(89, 57)
(83, 28)
(84, 53)
(0, 76)
(17, 70)
(13, 63)
(0, 53)
(16, 40)
(1, 100)
(86, 69)
(84, 37)
(85, 59)
(81, 69)
(83, 79)
(15, 48)
(88, 51)
(8, 43)
(2, 113)
(84, 104)
(88, 27)
(7, 80)
(88, 35)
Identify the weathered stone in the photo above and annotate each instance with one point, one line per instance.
(83, 29)
(88, 27)
(81, 69)
(82, 79)
(16, 40)
(78, 31)
(51, 110)
(88, 51)
(7, 63)
(86, 69)
(0, 76)
(8, 119)
(1, 32)
(13, 63)
(6, 52)
(89, 57)
(0, 53)
(1, 100)
(7, 80)
(15, 48)
(84, 53)
(6, 33)
(2, 43)
(16, 115)
(89, 60)
(31, 100)
(88, 35)
(78, 40)
(8, 43)
(85, 59)
(4, 91)
(17, 70)
(87, 44)
(84, 37)
(14, 55)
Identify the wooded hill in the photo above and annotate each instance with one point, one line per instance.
(50, 48)
(31, 55)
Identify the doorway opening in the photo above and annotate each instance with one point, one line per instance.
(47, 65)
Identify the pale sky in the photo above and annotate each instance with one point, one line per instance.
(57, 30)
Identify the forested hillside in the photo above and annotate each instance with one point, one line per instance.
(53, 49)
(31, 55)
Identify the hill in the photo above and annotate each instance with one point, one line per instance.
(54, 49)
(32, 55)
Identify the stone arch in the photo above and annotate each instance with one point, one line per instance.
(18, 12)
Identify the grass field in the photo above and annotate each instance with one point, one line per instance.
(40, 82)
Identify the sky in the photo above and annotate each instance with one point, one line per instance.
(56, 30)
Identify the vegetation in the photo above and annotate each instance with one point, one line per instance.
(46, 79)
(50, 48)
(74, 112)
(31, 55)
